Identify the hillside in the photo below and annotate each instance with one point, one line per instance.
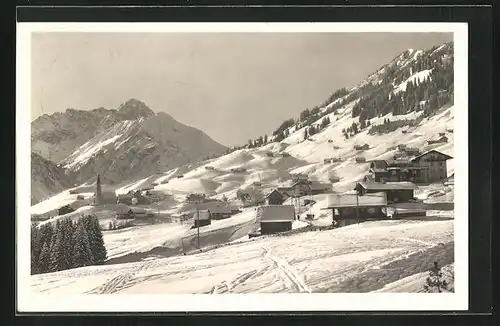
(123, 144)
(47, 178)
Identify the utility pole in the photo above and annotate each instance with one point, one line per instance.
(357, 205)
(198, 217)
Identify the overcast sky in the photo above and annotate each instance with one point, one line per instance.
(231, 86)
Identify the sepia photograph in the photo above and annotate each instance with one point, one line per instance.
(313, 162)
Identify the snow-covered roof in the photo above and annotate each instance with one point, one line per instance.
(276, 213)
(201, 215)
(349, 200)
(387, 185)
(448, 157)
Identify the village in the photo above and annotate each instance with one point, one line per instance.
(387, 191)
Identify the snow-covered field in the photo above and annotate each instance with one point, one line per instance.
(367, 257)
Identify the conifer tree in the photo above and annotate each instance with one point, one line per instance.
(57, 260)
(35, 248)
(82, 255)
(44, 259)
(95, 239)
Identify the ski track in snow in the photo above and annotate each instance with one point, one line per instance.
(291, 272)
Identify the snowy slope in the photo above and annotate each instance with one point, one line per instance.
(357, 258)
(47, 178)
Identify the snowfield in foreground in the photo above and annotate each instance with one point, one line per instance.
(372, 256)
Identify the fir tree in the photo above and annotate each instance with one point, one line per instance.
(57, 260)
(95, 239)
(35, 248)
(305, 134)
(265, 138)
(44, 259)
(82, 255)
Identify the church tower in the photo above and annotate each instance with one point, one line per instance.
(98, 200)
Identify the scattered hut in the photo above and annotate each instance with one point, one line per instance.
(360, 160)
(362, 147)
(437, 140)
(285, 154)
(201, 218)
(396, 192)
(275, 218)
(275, 198)
(269, 154)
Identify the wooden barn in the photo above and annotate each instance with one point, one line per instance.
(220, 212)
(201, 218)
(396, 192)
(434, 163)
(275, 218)
(350, 208)
(319, 187)
(125, 199)
(396, 171)
(275, 198)
(195, 198)
(362, 147)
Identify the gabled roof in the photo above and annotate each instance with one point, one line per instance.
(274, 191)
(387, 185)
(201, 215)
(377, 199)
(447, 157)
(276, 213)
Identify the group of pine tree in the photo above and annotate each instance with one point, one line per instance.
(66, 244)
(380, 98)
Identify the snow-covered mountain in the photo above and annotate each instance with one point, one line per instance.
(123, 144)
(47, 178)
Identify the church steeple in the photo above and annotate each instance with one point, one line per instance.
(98, 193)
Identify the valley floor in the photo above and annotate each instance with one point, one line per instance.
(390, 256)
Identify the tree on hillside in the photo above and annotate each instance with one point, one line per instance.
(35, 248)
(95, 239)
(44, 259)
(57, 258)
(305, 134)
(265, 138)
(82, 252)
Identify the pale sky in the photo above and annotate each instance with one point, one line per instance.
(232, 86)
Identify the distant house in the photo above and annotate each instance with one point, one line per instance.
(362, 147)
(201, 218)
(410, 151)
(336, 147)
(360, 160)
(320, 188)
(155, 195)
(438, 140)
(330, 140)
(180, 176)
(257, 184)
(396, 192)
(401, 147)
(123, 212)
(285, 191)
(66, 209)
(336, 160)
(125, 199)
(220, 212)
(301, 188)
(349, 209)
(195, 198)
(210, 168)
(285, 154)
(334, 179)
(275, 198)
(327, 161)
(275, 218)
(238, 170)
(269, 154)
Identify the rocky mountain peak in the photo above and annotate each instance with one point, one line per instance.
(133, 109)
